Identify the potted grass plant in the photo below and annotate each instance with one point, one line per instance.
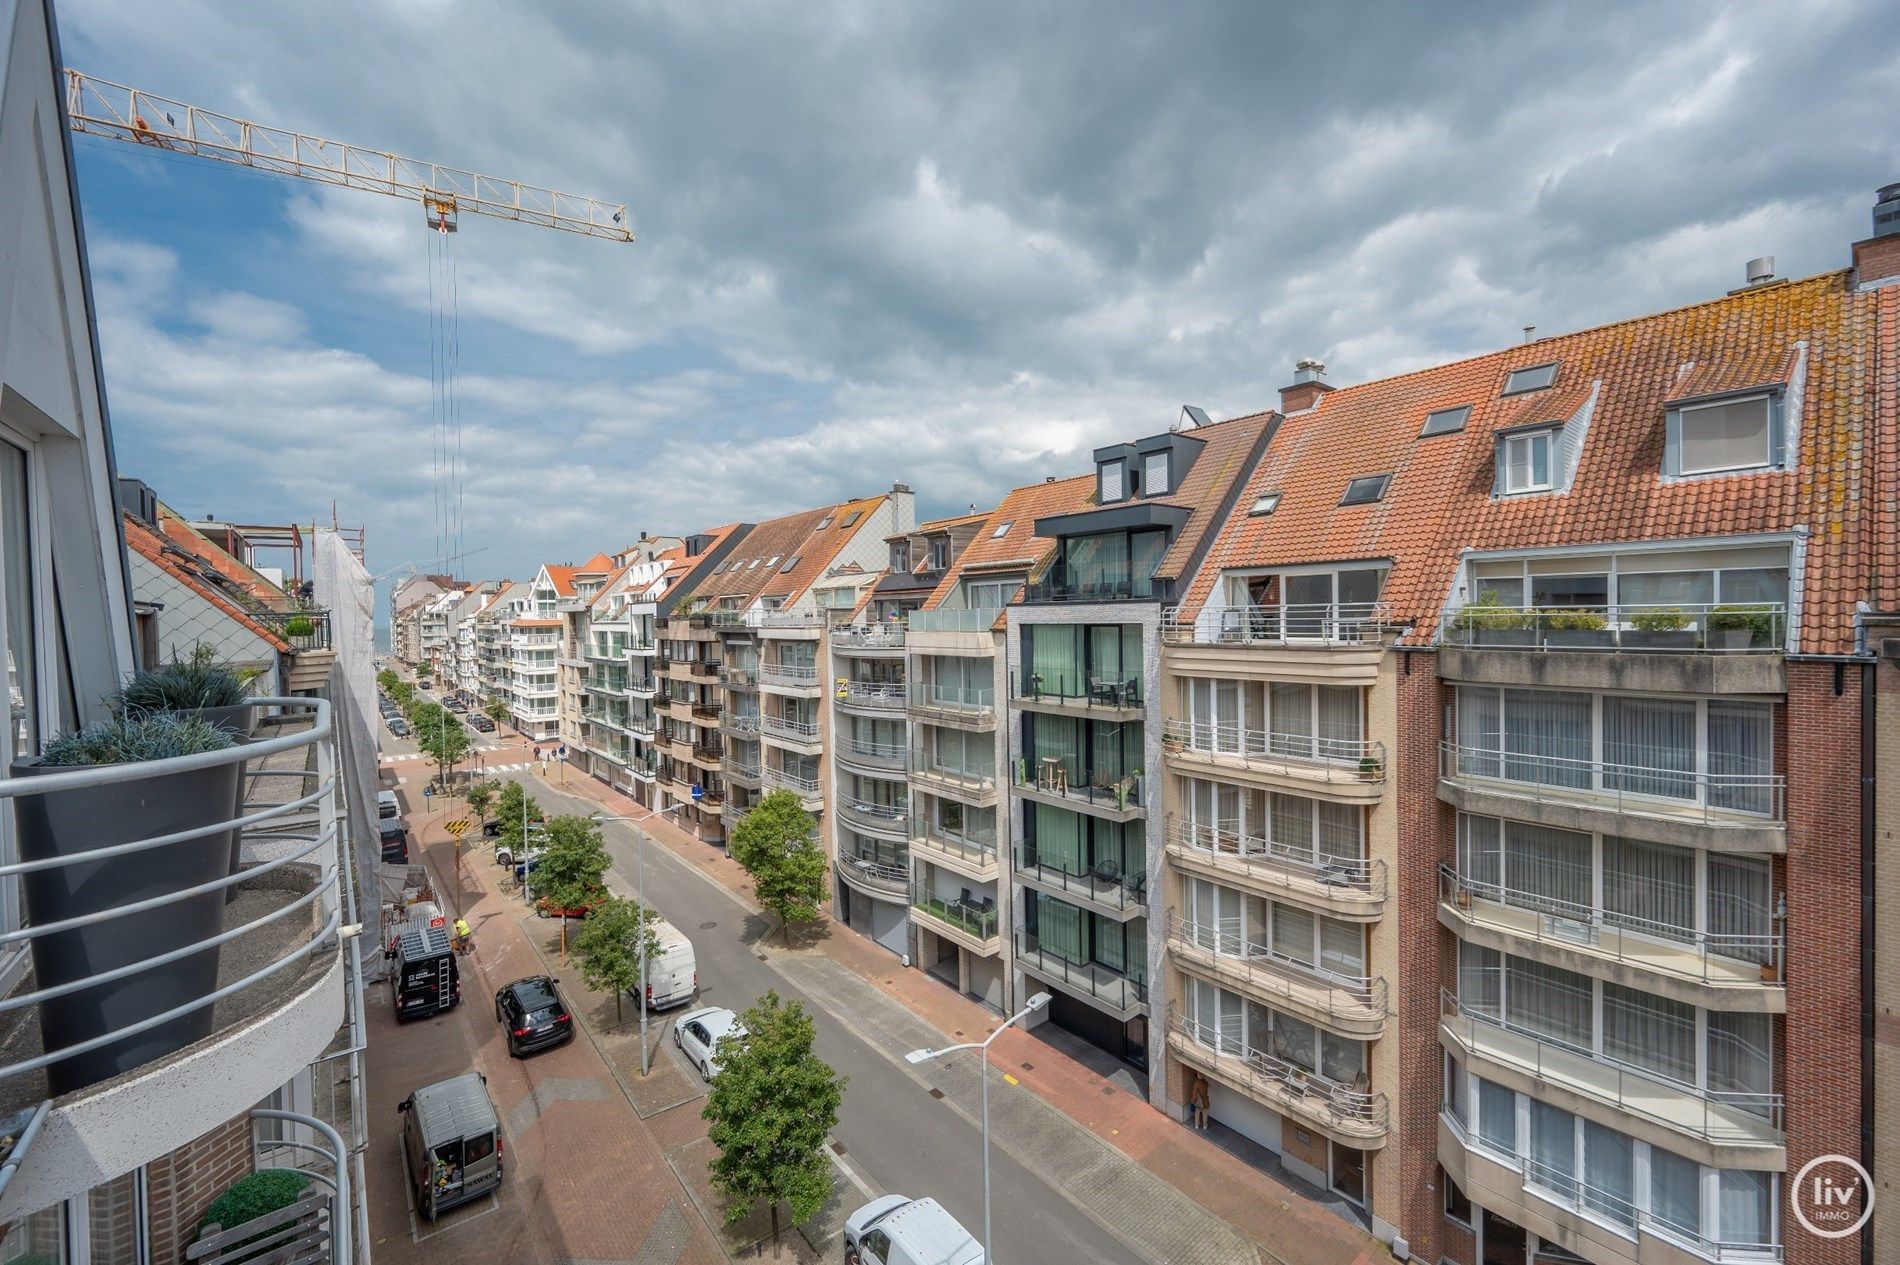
(1577, 630)
(301, 631)
(73, 821)
(1660, 628)
(1489, 622)
(1739, 627)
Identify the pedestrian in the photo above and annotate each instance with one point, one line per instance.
(1197, 1099)
(461, 935)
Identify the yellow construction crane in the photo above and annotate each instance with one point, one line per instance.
(98, 107)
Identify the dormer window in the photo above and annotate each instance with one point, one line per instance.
(1722, 435)
(1533, 378)
(1366, 489)
(898, 558)
(939, 554)
(1524, 462)
(1109, 481)
(1154, 473)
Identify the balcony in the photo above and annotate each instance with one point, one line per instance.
(642, 686)
(1743, 811)
(1731, 1126)
(1723, 972)
(1756, 628)
(640, 724)
(886, 821)
(1102, 698)
(743, 774)
(971, 853)
(801, 678)
(809, 792)
(303, 629)
(1346, 887)
(1098, 582)
(974, 787)
(876, 640)
(875, 878)
(251, 995)
(1120, 893)
(1355, 1006)
(1121, 995)
(1347, 1114)
(879, 758)
(970, 708)
(743, 676)
(1066, 784)
(966, 922)
(980, 619)
(787, 731)
(1321, 624)
(787, 620)
(699, 670)
(1352, 769)
(740, 724)
(873, 696)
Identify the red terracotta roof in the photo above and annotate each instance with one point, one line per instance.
(755, 566)
(185, 536)
(1440, 501)
(150, 545)
(1018, 546)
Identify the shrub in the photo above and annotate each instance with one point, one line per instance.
(1576, 621)
(1489, 611)
(300, 626)
(1660, 619)
(184, 685)
(1754, 619)
(256, 1195)
(134, 738)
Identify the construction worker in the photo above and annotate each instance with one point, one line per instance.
(461, 935)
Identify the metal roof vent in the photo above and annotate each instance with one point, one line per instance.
(1309, 370)
(1761, 270)
(1887, 211)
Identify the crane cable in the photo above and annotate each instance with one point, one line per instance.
(445, 411)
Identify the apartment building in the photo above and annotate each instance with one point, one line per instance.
(574, 609)
(407, 600)
(539, 699)
(618, 681)
(494, 651)
(461, 655)
(119, 1169)
(1084, 728)
(1556, 682)
(871, 748)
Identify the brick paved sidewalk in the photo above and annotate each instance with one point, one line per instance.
(1272, 1213)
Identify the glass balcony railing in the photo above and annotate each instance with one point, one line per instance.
(1057, 961)
(1106, 881)
(1333, 623)
(1716, 798)
(869, 637)
(970, 916)
(1077, 689)
(877, 695)
(1100, 582)
(969, 700)
(1736, 628)
(973, 619)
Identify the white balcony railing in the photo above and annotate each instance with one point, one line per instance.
(1335, 759)
(972, 700)
(869, 637)
(876, 694)
(1331, 623)
(1343, 1106)
(788, 674)
(786, 780)
(1716, 798)
(1340, 997)
(786, 727)
(1226, 841)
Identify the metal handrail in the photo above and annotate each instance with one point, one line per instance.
(327, 834)
(739, 722)
(778, 777)
(1104, 884)
(981, 923)
(882, 755)
(1325, 623)
(1078, 784)
(1695, 627)
(1360, 874)
(1631, 1088)
(1571, 925)
(1082, 689)
(878, 871)
(874, 693)
(885, 818)
(785, 727)
(968, 780)
(978, 846)
(952, 697)
(1330, 1099)
(966, 619)
(1095, 978)
(1754, 797)
(788, 673)
(1346, 996)
(869, 637)
(1341, 759)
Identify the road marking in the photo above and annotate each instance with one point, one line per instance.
(1011, 1079)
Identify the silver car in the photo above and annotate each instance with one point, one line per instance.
(699, 1034)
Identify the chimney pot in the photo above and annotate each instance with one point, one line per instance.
(1309, 384)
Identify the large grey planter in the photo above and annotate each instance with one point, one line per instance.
(1578, 638)
(240, 721)
(66, 823)
(1661, 639)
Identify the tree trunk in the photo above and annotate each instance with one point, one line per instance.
(775, 1221)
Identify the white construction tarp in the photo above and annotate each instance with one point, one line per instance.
(344, 587)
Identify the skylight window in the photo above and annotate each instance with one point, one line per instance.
(823, 523)
(1002, 529)
(772, 561)
(1445, 421)
(790, 563)
(1366, 489)
(1533, 378)
(851, 518)
(1265, 505)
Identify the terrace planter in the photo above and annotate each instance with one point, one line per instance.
(66, 823)
(1676, 639)
(240, 721)
(1578, 639)
(1524, 637)
(1735, 638)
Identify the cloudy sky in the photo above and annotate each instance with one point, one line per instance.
(957, 245)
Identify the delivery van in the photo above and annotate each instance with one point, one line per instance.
(386, 805)
(426, 977)
(899, 1230)
(673, 972)
(451, 1143)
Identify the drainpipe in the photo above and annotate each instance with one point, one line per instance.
(1868, 695)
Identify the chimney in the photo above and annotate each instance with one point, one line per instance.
(1877, 260)
(1760, 271)
(1309, 383)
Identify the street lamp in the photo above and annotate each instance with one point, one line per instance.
(924, 1056)
(640, 877)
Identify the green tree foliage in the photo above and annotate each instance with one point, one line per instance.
(481, 797)
(573, 863)
(610, 945)
(496, 709)
(387, 680)
(514, 809)
(770, 1109)
(439, 734)
(777, 844)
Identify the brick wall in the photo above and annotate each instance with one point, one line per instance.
(181, 1186)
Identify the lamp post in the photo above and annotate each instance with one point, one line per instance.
(640, 878)
(923, 1056)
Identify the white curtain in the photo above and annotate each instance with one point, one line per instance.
(1547, 869)
(1480, 979)
(1342, 948)
(1741, 1056)
(1293, 934)
(1341, 722)
(1649, 746)
(1546, 737)
(1741, 755)
(1649, 887)
(1741, 907)
(1675, 1191)
(1649, 1032)
(1549, 1001)
(1609, 1173)
(1341, 833)
(1746, 1206)
(1291, 710)
(1480, 854)
(1497, 1117)
(1553, 1148)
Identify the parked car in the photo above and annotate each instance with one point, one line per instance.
(395, 836)
(387, 805)
(451, 1143)
(548, 909)
(672, 971)
(399, 727)
(455, 705)
(899, 1230)
(534, 1015)
(699, 1032)
(481, 723)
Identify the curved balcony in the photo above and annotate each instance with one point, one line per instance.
(877, 758)
(869, 639)
(283, 966)
(872, 696)
(1346, 887)
(964, 707)
(886, 821)
(1354, 1006)
(802, 734)
(875, 878)
(1348, 1115)
(809, 793)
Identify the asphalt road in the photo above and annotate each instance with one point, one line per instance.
(895, 1134)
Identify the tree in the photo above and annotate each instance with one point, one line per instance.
(770, 1109)
(401, 693)
(614, 944)
(515, 809)
(573, 862)
(387, 681)
(440, 735)
(481, 797)
(496, 709)
(777, 844)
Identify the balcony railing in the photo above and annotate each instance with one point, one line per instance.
(1068, 779)
(744, 724)
(312, 633)
(971, 700)
(885, 877)
(1747, 1119)
(972, 918)
(869, 637)
(1328, 623)
(293, 907)
(1102, 582)
(1076, 689)
(1751, 628)
(868, 754)
(1664, 947)
(739, 676)
(785, 619)
(1226, 841)
(1715, 798)
(606, 653)
(885, 819)
(1117, 988)
(788, 781)
(1335, 759)
(746, 772)
(794, 675)
(978, 847)
(973, 619)
(882, 695)
(785, 727)
(1106, 882)
(1343, 1106)
(953, 778)
(1344, 998)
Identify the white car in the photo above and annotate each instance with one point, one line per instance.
(699, 1032)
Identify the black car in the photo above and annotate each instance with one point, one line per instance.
(481, 724)
(534, 1015)
(395, 835)
(399, 727)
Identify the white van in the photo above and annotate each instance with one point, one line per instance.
(899, 1230)
(673, 972)
(386, 805)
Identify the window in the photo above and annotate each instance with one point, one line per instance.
(1727, 435)
(1265, 505)
(790, 563)
(1154, 473)
(823, 523)
(1524, 462)
(900, 558)
(1109, 481)
(1457, 1206)
(989, 594)
(1445, 421)
(1002, 529)
(1533, 378)
(1366, 490)
(772, 561)
(851, 518)
(939, 554)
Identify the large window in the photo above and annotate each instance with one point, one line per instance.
(1300, 603)
(1108, 565)
(1308, 722)
(1689, 581)
(1225, 1021)
(1083, 938)
(1093, 661)
(1726, 435)
(1295, 829)
(1239, 925)
(1524, 462)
